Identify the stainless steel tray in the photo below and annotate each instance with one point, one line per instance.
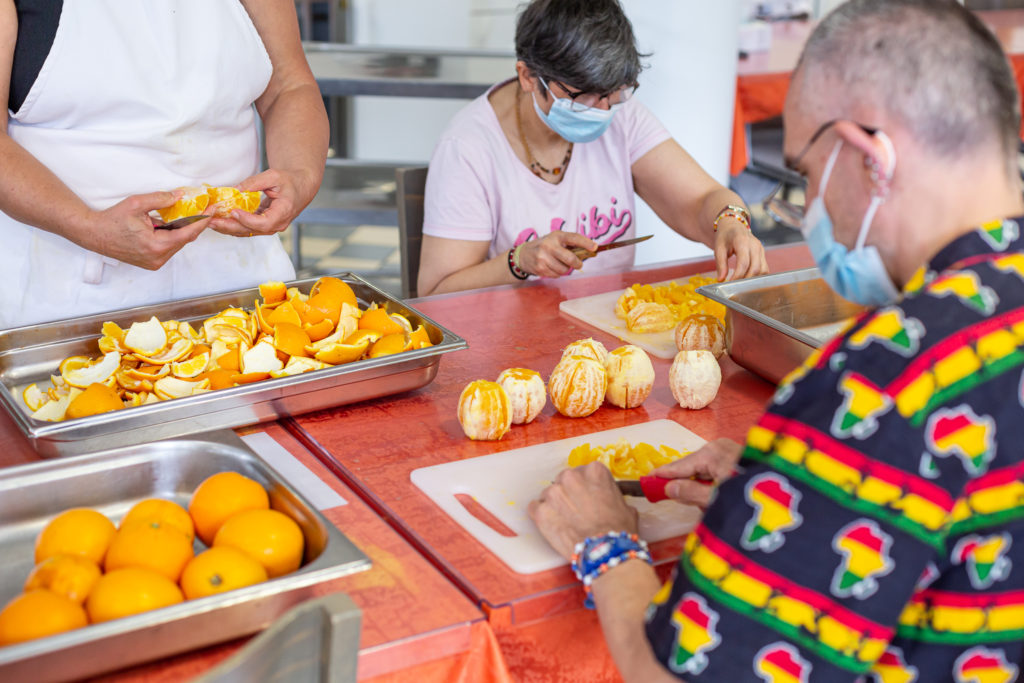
(111, 482)
(32, 354)
(773, 322)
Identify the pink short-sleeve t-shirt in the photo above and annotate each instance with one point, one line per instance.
(477, 189)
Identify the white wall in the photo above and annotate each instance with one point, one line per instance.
(691, 87)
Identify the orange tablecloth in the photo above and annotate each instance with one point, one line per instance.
(763, 78)
(513, 327)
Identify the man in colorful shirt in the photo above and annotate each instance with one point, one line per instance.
(875, 531)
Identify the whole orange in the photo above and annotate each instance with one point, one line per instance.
(124, 592)
(270, 537)
(220, 496)
(69, 575)
(167, 512)
(39, 613)
(220, 569)
(79, 531)
(150, 545)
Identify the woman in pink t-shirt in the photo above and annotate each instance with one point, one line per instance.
(553, 159)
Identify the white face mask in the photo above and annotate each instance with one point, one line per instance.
(858, 275)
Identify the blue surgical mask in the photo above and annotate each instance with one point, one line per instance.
(858, 274)
(575, 126)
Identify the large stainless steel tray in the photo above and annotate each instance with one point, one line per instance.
(32, 354)
(773, 322)
(111, 482)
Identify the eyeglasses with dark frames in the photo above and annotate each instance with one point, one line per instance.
(789, 213)
(582, 101)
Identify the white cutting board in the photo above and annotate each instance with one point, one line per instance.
(599, 310)
(505, 483)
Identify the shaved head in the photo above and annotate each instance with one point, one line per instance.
(930, 65)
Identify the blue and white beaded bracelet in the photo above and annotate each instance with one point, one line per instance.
(595, 555)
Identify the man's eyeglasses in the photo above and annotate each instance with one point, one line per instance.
(784, 211)
(582, 101)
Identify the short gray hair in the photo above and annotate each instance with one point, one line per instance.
(586, 44)
(931, 64)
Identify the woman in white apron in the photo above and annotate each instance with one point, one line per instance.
(130, 100)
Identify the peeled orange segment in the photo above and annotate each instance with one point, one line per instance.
(34, 397)
(335, 289)
(223, 200)
(219, 379)
(54, 410)
(273, 292)
(167, 388)
(148, 372)
(130, 383)
(379, 320)
(98, 371)
(290, 339)
(338, 353)
(389, 344)
(319, 330)
(419, 338)
(297, 365)
(261, 358)
(146, 338)
(285, 313)
(176, 351)
(187, 369)
(359, 335)
(192, 203)
(97, 398)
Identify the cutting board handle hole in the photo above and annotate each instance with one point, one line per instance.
(481, 513)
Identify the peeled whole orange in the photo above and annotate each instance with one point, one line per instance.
(224, 200)
(220, 569)
(37, 614)
(577, 386)
(270, 537)
(485, 411)
(79, 531)
(128, 591)
(219, 497)
(193, 202)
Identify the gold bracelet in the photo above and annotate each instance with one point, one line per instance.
(733, 211)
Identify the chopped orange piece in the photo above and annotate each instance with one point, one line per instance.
(290, 339)
(97, 398)
(224, 200)
(318, 331)
(336, 289)
(285, 313)
(389, 344)
(273, 292)
(359, 335)
(336, 354)
(379, 320)
(192, 203)
(419, 338)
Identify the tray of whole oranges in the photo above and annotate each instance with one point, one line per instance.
(154, 372)
(119, 557)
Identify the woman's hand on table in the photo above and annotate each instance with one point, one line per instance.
(125, 231)
(735, 239)
(714, 462)
(287, 192)
(583, 501)
(552, 256)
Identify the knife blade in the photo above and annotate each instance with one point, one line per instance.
(582, 254)
(650, 487)
(180, 222)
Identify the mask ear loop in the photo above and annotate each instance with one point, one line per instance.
(881, 186)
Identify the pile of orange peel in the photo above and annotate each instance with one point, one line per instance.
(624, 460)
(288, 333)
(679, 301)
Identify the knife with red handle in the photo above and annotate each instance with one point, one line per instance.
(650, 487)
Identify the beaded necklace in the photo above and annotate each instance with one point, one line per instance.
(535, 165)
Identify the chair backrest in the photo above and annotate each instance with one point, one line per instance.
(411, 184)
